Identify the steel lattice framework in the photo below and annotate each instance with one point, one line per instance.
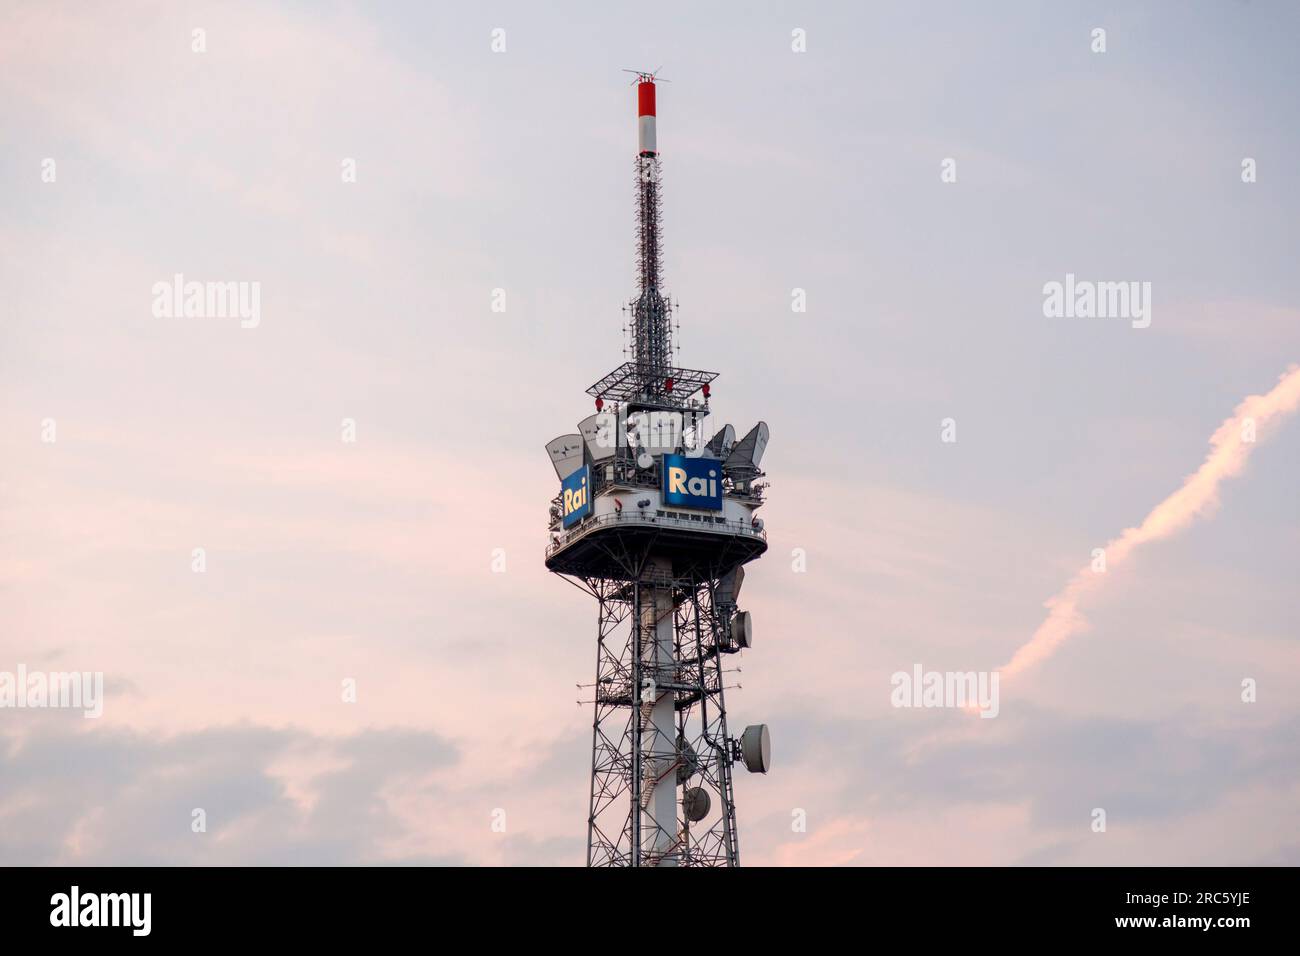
(652, 343)
(630, 758)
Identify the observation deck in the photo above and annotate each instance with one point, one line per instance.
(700, 545)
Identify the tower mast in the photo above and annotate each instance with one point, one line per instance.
(656, 525)
(652, 313)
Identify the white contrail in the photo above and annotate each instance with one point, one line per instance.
(1230, 446)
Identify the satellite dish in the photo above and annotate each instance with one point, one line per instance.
(655, 432)
(719, 445)
(742, 630)
(599, 436)
(756, 748)
(748, 452)
(644, 460)
(696, 803)
(566, 454)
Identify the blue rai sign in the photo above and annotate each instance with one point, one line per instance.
(693, 482)
(575, 493)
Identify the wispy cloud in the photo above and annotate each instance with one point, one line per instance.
(1230, 447)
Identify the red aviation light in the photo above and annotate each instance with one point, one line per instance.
(600, 403)
(705, 389)
(668, 384)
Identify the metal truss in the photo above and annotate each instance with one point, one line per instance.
(652, 343)
(632, 382)
(632, 757)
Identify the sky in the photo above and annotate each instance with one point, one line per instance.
(805, 147)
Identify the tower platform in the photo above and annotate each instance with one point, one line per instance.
(611, 544)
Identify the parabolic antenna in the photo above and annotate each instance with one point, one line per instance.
(696, 803)
(600, 441)
(655, 432)
(566, 454)
(742, 630)
(719, 445)
(749, 450)
(756, 748)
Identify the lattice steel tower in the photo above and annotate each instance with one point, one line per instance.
(656, 521)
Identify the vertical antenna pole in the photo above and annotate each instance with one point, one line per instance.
(652, 314)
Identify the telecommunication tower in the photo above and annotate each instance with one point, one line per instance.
(655, 519)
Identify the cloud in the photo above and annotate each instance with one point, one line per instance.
(121, 797)
(931, 788)
(281, 795)
(1230, 447)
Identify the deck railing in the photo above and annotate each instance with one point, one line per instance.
(646, 516)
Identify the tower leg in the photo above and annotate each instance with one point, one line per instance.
(611, 826)
(659, 758)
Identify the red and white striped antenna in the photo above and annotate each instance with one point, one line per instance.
(645, 100)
